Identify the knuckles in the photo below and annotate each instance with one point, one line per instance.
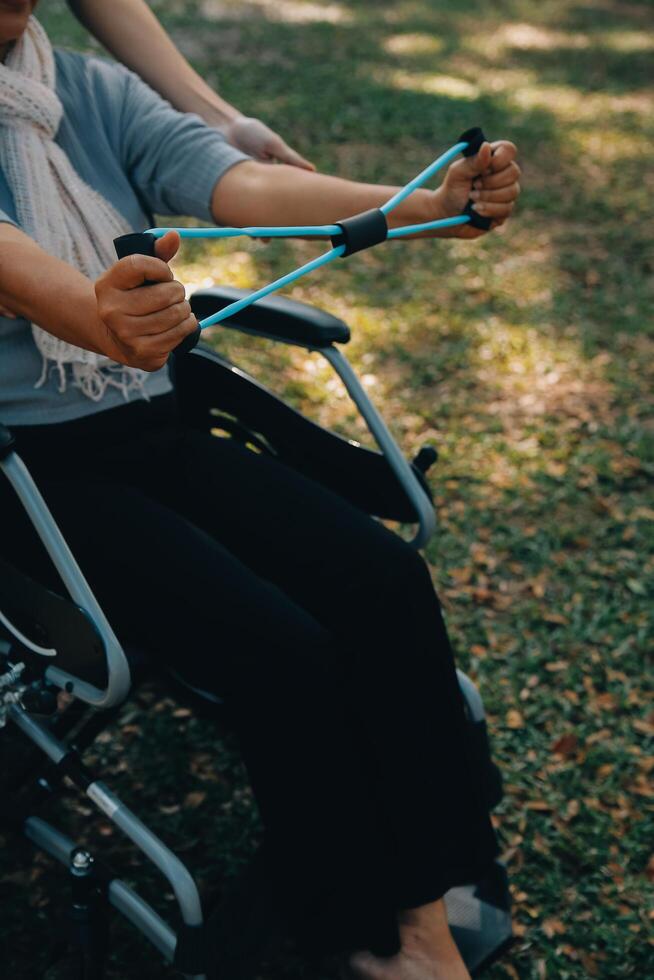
(122, 311)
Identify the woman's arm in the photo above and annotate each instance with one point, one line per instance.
(132, 33)
(252, 194)
(114, 317)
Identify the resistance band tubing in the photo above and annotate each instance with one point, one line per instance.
(459, 219)
(326, 231)
(420, 179)
(290, 277)
(283, 231)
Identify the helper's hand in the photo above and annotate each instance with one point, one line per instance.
(491, 179)
(139, 325)
(255, 138)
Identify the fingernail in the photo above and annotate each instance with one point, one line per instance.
(474, 195)
(478, 207)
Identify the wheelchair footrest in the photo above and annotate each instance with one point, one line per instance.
(479, 917)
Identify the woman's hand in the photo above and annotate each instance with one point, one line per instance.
(252, 136)
(491, 179)
(138, 324)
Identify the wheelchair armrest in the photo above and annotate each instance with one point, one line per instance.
(274, 317)
(7, 441)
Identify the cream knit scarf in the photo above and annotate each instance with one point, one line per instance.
(65, 216)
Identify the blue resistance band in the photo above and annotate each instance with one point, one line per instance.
(348, 236)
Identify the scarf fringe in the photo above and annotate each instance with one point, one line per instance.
(93, 380)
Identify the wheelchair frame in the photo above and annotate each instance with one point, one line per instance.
(283, 321)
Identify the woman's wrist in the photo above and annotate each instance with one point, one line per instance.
(420, 207)
(209, 106)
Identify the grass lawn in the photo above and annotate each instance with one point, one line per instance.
(528, 359)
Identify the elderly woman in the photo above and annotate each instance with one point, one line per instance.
(319, 625)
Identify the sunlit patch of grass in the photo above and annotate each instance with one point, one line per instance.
(611, 145)
(222, 265)
(413, 44)
(537, 37)
(526, 37)
(568, 105)
(287, 11)
(430, 83)
(628, 41)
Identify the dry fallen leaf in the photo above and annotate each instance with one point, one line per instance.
(553, 927)
(589, 963)
(566, 745)
(195, 799)
(557, 618)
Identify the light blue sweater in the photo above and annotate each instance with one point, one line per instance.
(145, 158)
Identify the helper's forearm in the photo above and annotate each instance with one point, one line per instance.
(132, 33)
(255, 194)
(47, 291)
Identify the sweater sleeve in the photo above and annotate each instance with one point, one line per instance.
(172, 159)
(5, 219)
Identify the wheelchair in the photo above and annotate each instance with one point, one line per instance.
(52, 643)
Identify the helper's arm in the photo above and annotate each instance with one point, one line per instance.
(132, 33)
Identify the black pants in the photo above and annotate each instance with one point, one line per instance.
(319, 626)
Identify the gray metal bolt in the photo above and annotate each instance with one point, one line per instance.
(82, 860)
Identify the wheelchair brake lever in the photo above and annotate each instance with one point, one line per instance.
(143, 243)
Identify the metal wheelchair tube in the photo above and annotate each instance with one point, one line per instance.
(118, 675)
(46, 741)
(176, 873)
(126, 901)
(123, 898)
(389, 447)
(168, 863)
(472, 696)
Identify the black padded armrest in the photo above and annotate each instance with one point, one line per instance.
(274, 317)
(6, 441)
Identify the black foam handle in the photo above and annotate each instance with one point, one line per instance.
(138, 243)
(143, 243)
(474, 137)
(477, 220)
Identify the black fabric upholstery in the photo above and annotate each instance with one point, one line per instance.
(52, 622)
(209, 385)
(274, 317)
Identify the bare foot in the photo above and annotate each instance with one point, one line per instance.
(428, 951)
